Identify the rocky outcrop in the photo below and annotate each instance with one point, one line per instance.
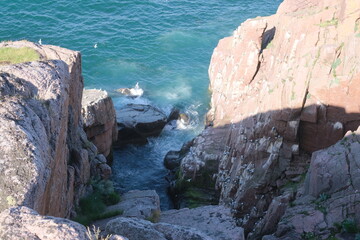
(46, 157)
(137, 122)
(138, 229)
(23, 223)
(214, 221)
(329, 201)
(99, 119)
(282, 87)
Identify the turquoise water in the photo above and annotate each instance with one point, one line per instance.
(165, 45)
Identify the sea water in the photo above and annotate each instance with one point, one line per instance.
(164, 45)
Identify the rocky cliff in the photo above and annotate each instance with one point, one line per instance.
(45, 154)
(282, 87)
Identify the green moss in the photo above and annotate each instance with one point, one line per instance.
(18, 55)
(332, 22)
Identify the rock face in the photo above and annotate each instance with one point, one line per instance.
(23, 223)
(282, 87)
(136, 122)
(46, 157)
(215, 221)
(99, 118)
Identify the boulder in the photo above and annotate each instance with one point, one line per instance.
(99, 119)
(137, 122)
(138, 229)
(139, 204)
(20, 223)
(214, 221)
(143, 204)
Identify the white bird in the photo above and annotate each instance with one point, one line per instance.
(95, 46)
(40, 42)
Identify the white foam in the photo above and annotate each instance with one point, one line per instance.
(136, 91)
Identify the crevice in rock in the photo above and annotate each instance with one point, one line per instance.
(268, 36)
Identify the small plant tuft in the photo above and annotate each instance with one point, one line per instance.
(310, 236)
(94, 234)
(155, 216)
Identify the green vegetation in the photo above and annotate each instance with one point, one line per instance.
(319, 203)
(332, 22)
(336, 63)
(18, 55)
(310, 236)
(155, 217)
(92, 207)
(349, 226)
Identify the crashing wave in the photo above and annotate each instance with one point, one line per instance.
(132, 92)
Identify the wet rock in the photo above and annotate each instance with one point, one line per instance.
(174, 114)
(138, 229)
(172, 160)
(136, 122)
(215, 221)
(99, 119)
(24, 223)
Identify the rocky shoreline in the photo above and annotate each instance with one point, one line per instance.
(279, 158)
